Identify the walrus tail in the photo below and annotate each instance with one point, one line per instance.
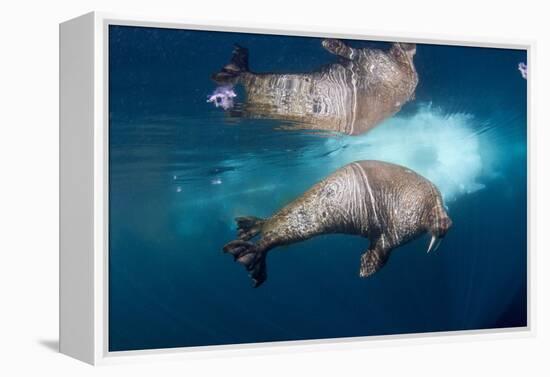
(231, 71)
(252, 257)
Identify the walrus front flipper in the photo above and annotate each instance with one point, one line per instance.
(248, 227)
(337, 47)
(373, 260)
(252, 257)
(231, 71)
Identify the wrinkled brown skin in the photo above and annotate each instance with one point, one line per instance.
(386, 203)
(352, 96)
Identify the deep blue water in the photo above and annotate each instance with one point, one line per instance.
(181, 170)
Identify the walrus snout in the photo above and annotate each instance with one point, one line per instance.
(444, 226)
(440, 225)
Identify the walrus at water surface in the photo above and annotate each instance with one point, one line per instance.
(389, 204)
(351, 96)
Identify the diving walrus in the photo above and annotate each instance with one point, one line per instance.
(389, 204)
(350, 96)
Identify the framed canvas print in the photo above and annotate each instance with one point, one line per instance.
(226, 187)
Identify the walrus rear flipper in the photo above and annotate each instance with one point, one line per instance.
(252, 257)
(231, 71)
(248, 227)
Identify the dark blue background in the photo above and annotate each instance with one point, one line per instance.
(169, 283)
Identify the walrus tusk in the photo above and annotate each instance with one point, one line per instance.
(434, 244)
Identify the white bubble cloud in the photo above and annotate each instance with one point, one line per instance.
(448, 149)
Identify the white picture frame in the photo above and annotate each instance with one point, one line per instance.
(84, 189)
